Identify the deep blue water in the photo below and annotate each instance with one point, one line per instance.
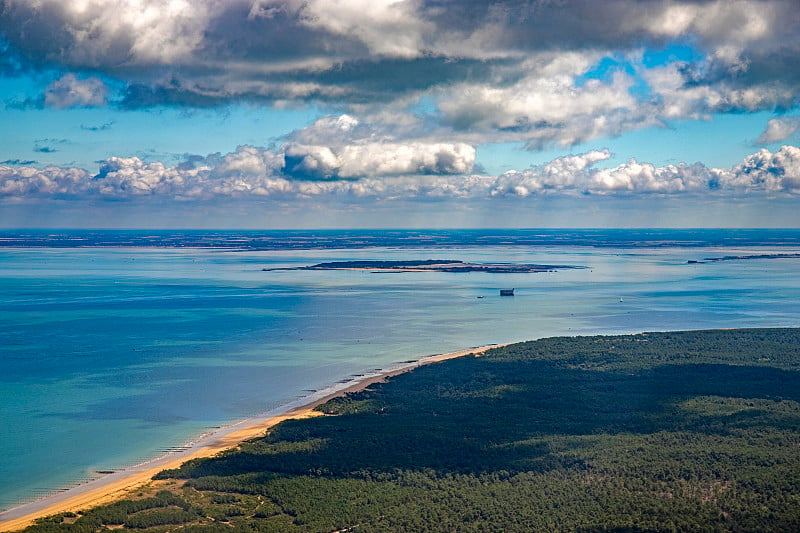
(115, 346)
(346, 239)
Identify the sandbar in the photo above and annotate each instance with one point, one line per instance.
(112, 487)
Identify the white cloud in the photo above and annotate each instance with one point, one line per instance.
(331, 128)
(767, 171)
(392, 28)
(101, 33)
(406, 158)
(546, 106)
(378, 159)
(546, 94)
(644, 177)
(50, 181)
(130, 176)
(69, 91)
(763, 172)
(779, 129)
(714, 20)
(250, 161)
(313, 162)
(564, 173)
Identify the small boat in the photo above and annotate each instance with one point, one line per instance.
(506, 292)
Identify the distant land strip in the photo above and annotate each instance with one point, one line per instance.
(431, 265)
(744, 257)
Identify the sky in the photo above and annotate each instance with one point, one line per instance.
(399, 114)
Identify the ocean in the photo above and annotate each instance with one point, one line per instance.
(119, 346)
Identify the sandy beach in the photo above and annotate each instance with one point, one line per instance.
(117, 485)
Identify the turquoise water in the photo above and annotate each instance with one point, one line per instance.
(111, 355)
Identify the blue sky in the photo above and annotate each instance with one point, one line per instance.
(343, 113)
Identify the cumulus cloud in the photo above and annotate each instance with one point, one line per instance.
(779, 129)
(763, 172)
(251, 172)
(378, 159)
(575, 174)
(129, 176)
(772, 172)
(250, 161)
(69, 91)
(331, 128)
(644, 177)
(50, 181)
(564, 173)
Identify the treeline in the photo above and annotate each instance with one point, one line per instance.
(688, 431)
(162, 509)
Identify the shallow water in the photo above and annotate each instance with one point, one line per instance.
(110, 356)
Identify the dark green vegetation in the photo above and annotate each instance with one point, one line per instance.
(691, 431)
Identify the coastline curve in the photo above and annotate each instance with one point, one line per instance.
(117, 485)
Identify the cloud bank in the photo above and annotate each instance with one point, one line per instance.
(543, 73)
(258, 173)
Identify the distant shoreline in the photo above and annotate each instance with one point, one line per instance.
(115, 486)
(359, 238)
(743, 258)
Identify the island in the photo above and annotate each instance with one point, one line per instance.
(431, 265)
(744, 258)
(673, 431)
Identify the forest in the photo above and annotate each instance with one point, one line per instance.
(681, 431)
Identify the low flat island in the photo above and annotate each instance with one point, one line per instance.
(745, 258)
(431, 265)
(678, 431)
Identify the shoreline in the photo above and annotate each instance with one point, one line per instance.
(115, 486)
